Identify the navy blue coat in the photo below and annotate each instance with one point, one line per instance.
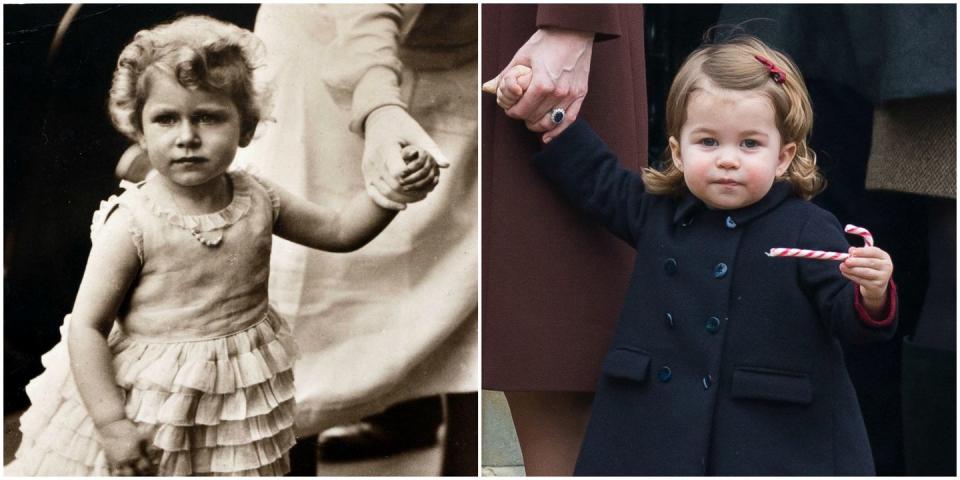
(724, 361)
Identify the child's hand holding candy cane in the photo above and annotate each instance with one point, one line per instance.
(871, 269)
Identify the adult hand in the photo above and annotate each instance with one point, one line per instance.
(560, 60)
(126, 449)
(387, 130)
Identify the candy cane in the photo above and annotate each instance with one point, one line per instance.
(820, 254)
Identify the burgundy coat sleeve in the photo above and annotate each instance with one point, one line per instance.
(604, 20)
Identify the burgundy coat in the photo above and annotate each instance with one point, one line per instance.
(553, 282)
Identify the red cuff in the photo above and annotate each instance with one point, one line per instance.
(885, 318)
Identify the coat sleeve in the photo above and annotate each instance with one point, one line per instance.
(836, 297)
(365, 60)
(588, 174)
(603, 20)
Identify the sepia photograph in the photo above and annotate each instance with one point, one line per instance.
(241, 240)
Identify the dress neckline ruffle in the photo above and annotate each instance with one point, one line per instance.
(233, 212)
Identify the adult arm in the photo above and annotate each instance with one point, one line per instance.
(368, 67)
(588, 174)
(559, 54)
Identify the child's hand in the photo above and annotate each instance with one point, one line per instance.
(510, 86)
(127, 449)
(871, 269)
(421, 174)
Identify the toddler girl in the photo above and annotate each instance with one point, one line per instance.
(726, 361)
(172, 361)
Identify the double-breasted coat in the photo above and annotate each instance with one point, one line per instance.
(724, 361)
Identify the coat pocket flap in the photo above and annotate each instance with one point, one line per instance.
(775, 385)
(627, 364)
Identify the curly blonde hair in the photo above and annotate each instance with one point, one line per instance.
(200, 53)
(732, 65)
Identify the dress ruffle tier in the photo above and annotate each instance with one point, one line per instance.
(219, 406)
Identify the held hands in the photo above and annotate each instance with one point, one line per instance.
(400, 161)
(560, 67)
(871, 269)
(512, 84)
(129, 451)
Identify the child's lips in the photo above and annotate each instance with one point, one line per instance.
(729, 182)
(189, 160)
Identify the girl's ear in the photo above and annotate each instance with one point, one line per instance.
(675, 153)
(787, 152)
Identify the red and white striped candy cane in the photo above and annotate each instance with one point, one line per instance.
(820, 254)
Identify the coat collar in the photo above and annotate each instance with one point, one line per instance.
(689, 205)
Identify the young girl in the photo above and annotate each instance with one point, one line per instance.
(726, 361)
(172, 362)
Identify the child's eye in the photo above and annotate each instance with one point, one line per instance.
(165, 119)
(709, 142)
(207, 118)
(750, 143)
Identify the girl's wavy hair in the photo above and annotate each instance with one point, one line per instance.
(731, 64)
(200, 53)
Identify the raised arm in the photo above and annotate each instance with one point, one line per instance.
(589, 176)
(111, 269)
(324, 228)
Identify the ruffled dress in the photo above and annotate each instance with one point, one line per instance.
(204, 362)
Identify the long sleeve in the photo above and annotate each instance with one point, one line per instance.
(834, 295)
(366, 62)
(604, 20)
(589, 176)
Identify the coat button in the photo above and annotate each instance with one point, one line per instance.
(670, 322)
(713, 325)
(730, 223)
(720, 270)
(664, 374)
(670, 266)
(707, 381)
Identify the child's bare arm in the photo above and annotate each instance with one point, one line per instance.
(112, 266)
(870, 268)
(323, 228)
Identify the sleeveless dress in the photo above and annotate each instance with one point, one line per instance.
(204, 363)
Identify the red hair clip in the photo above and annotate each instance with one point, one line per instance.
(778, 75)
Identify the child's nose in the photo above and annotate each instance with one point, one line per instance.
(187, 136)
(728, 158)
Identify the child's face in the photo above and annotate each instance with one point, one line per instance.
(729, 149)
(190, 136)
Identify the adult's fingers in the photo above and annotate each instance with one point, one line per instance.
(569, 117)
(432, 149)
(381, 199)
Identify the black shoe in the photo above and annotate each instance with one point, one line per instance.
(407, 426)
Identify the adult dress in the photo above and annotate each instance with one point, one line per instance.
(552, 281)
(397, 319)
